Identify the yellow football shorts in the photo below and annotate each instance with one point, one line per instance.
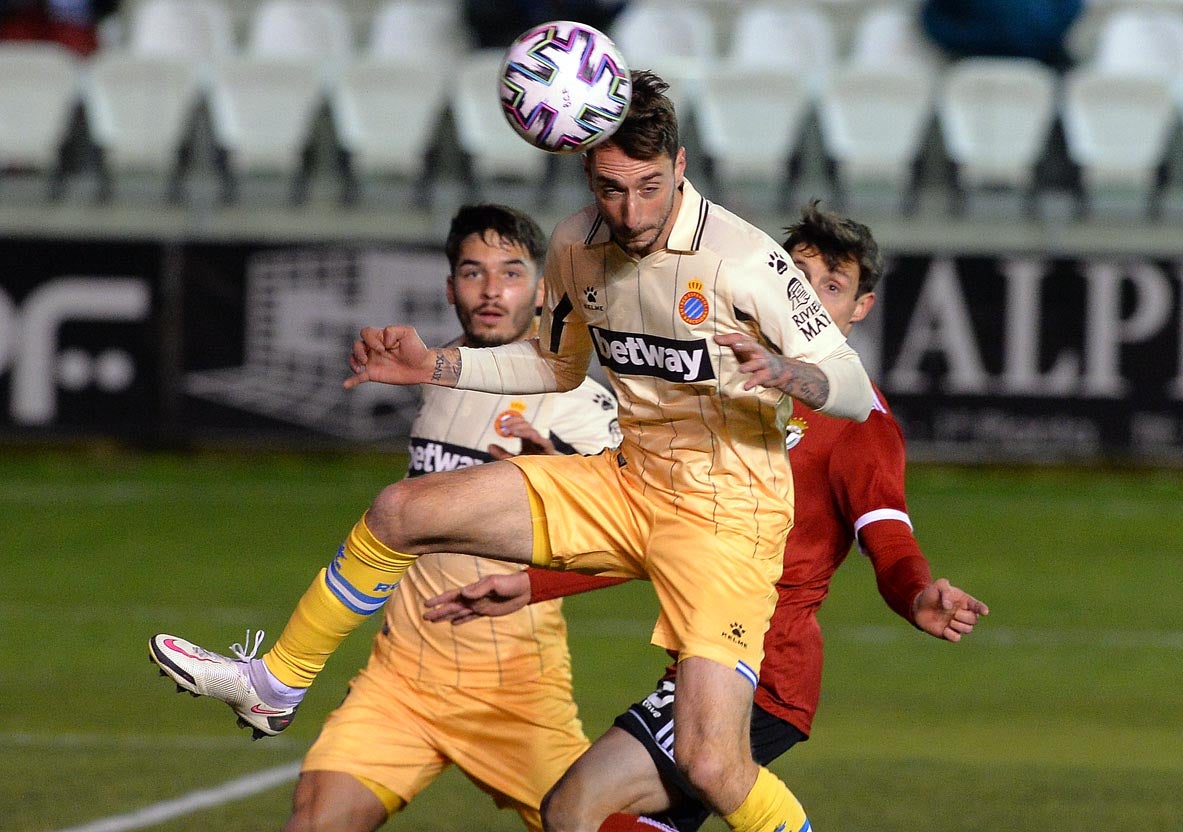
(716, 587)
(513, 742)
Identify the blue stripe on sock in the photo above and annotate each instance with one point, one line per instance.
(349, 595)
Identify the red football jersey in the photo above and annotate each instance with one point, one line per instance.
(846, 475)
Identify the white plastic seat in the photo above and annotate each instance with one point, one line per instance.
(996, 115)
(492, 146)
(385, 113)
(1117, 128)
(262, 113)
(786, 38)
(890, 36)
(1143, 41)
(407, 31)
(301, 30)
(139, 108)
(674, 39)
(181, 28)
(749, 122)
(873, 122)
(38, 97)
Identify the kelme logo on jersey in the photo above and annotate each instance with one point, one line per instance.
(735, 632)
(649, 355)
(428, 456)
(693, 306)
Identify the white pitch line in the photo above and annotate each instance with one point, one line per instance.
(194, 801)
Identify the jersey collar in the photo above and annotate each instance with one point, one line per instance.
(686, 236)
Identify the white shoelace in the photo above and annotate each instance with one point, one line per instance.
(239, 650)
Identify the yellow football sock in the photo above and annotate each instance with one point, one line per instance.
(355, 585)
(769, 807)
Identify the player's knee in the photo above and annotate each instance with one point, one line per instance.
(323, 804)
(704, 766)
(565, 808)
(390, 513)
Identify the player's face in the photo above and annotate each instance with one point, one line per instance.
(495, 290)
(637, 197)
(836, 288)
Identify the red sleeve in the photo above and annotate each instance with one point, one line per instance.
(867, 477)
(548, 584)
(901, 570)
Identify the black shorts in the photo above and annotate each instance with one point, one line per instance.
(651, 722)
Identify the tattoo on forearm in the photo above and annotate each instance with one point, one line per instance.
(804, 382)
(447, 366)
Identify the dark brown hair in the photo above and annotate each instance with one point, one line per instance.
(837, 239)
(512, 225)
(651, 127)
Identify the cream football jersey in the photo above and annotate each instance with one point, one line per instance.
(454, 429)
(689, 427)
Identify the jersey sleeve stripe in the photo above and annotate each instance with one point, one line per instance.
(881, 514)
(562, 309)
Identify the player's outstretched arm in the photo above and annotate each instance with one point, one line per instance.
(947, 612)
(496, 595)
(397, 355)
(492, 595)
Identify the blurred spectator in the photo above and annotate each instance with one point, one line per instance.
(496, 23)
(72, 23)
(1007, 28)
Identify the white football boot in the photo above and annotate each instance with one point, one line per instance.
(204, 673)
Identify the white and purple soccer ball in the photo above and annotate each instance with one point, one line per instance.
(564, 86)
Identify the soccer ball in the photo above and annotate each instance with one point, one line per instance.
(564, 86)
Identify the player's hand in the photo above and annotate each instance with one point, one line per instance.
(944, 611)
(533, 442)
(393, 355)
(763, 367)
(491, 596)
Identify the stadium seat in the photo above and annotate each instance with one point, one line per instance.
(995, 116)
(795, 38)
(889, 35)
(676, 40)
(139, 109)
(38, 99)
(181, 28)
(491, 147)
(262, 114)
(301, 30)
(385, 115)
(874, 122)
(1144, 41)
(1117, 128)
(749, 125)
(426, 31)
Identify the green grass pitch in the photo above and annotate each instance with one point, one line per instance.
(1061, 713)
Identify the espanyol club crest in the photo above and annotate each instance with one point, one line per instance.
(693, 306)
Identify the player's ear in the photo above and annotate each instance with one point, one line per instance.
(680, 167)
(862, 307)
(539, 292)
(451, 290)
